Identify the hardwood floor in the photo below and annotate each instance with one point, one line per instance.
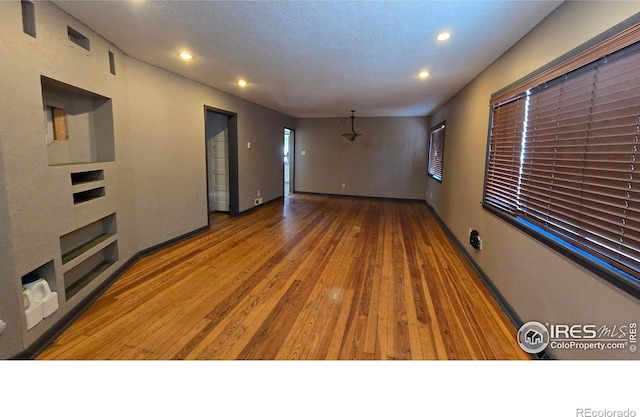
(313, 277)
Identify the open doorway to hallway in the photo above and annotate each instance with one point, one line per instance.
(288, 152)
(222, 161)
(218, 161)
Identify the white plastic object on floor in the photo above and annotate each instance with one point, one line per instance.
(39, 291)
(32, 310)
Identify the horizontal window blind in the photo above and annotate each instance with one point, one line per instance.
(563, 153)
(503, 165)
(436, 152)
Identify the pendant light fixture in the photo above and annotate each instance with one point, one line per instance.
(352, 135)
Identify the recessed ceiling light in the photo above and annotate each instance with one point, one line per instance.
(443, 36)
(242, 83)
(186, 55)
(423, 74)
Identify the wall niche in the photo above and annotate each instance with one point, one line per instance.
(79, 124)
(87, 252)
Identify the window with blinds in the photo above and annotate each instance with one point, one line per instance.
(436, 152)
(563, 156)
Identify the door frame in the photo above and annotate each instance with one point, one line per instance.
(292, 152)
(234, 195)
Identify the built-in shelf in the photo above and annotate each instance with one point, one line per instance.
(87, 247)
(87, 185)
(46, 271)
(88, 195)
(87, 252)
(87, 278)
(83, 130)
(84, 177)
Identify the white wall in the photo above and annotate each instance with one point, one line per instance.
(539, 283)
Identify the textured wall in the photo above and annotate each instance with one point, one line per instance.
(539, 283)
(39, 200)
(388, 160)
(11, 338)
(157, 183)
(168, 130)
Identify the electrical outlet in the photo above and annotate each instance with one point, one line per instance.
(257, 201)
(474, 240)
(343, 185)
(258, 193)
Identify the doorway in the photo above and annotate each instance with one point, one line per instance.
(288, 152)
(221, 144)
(218, 162)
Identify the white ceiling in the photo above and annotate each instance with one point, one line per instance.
(319, 58)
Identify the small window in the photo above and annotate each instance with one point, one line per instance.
(436, 152)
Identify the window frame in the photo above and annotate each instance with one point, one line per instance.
(620, 36)
(441, 125)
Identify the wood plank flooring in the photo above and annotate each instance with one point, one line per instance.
(313, 277)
